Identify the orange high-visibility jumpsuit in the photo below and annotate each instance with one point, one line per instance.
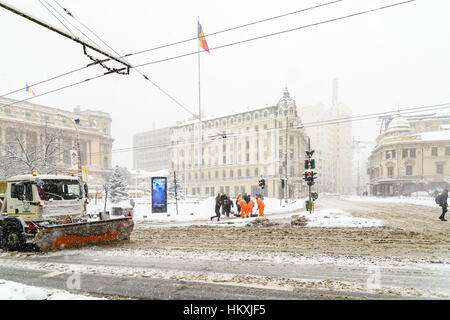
(261, 207)
(250, 206)
(244, 206)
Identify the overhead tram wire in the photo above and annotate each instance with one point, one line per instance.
(163, 46)
(62, 16)
(243, 41)
(278, 33)
(237, 27)
(143, 75)
(306, 125)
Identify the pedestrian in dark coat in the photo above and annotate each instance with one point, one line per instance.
(223, 197)
(217, 207)
(227, 205)
(443, 204)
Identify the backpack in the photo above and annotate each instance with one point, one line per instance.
(438, 199)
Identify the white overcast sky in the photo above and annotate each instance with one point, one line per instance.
(389, 59)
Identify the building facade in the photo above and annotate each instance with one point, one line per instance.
(30, 121)
(235, 150)
(150, 150)
(405, 160)
(332, 144)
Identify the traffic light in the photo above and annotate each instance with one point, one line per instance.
(262, 183)
(282, 183)
(306, 164)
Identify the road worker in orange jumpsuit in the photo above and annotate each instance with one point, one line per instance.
(260, 207)
(250, 206)
(244, 207)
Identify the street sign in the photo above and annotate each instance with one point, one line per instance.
(85, 174)
(74, 159)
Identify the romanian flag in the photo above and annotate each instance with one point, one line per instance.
(201, 38)
(28, 89)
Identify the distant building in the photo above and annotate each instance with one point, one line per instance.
(238, 148)
(405, 160)
(30, 120)
(150, 150)
(332, 144)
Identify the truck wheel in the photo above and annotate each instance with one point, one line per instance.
(13, 238)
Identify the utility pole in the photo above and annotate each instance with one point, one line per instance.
(286, 163)
(175, 188)
(6, 6)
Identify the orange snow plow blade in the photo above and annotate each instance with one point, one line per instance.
(73, 234)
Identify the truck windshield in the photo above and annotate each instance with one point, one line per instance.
(59, 190)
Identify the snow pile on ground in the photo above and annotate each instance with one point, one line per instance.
(10, 290)
(421, 201)
(337, 218)
(193, 210)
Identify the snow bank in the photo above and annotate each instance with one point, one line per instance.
(194, 210)
(421, 201)
(336, 218)
(10, 290)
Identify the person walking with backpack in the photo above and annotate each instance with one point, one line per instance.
(442, 201)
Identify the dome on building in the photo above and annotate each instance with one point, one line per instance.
(398, 124)
(286, 101)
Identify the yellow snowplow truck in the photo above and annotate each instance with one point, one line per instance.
(47, 212)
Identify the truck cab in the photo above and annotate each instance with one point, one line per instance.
(44, 197)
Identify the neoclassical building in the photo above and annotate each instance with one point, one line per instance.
(31, 120)
(405, 161)
(237, 149)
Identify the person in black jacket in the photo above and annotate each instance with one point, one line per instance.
(443, 203)
(223, 197)
(217, 207)
(227, 206)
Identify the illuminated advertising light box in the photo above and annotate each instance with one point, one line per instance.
(159, 194)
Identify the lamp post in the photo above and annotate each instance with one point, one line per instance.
(75, 122)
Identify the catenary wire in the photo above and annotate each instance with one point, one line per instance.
(163, 46)
(306, 125)
(234, 43)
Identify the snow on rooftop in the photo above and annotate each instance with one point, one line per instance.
(440, 135)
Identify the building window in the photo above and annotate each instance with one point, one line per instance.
(291, 140)
(447, 151)
(207, 190)
(434, 151)
(209, 175)
(265, 127)
(217, 175)
(224, 159)
(281, 141)
(412, 153)
(409, 170)
(388, 154)
(405, 153)
(247, 157)
(247, 172)
(224, 174)
(239, 173)
(440, 168)
(256, 172)
(390, 171)
(393, 154)
(231, 173)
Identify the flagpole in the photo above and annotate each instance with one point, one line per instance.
(200, 138)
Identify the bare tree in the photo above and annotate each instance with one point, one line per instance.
(25, 153)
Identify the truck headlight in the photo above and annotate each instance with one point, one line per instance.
(41, 203)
